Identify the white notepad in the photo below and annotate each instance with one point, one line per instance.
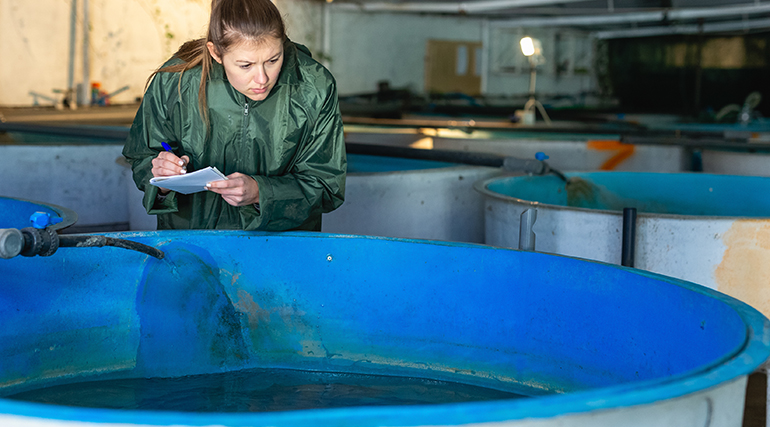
(189, 183)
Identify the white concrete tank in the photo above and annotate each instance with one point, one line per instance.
(708, 229)
(409, 198)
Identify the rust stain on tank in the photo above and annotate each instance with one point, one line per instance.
(276, 326)
(251, 309)
(744, 272)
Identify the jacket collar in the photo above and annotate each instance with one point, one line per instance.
(290, 69)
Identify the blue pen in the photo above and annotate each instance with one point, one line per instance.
(168, 148)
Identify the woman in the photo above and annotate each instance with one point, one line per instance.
(256, 106)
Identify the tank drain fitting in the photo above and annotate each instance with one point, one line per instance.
(544, 168)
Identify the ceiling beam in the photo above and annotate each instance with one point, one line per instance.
(479, 6)
(636, 17)
(718, 27)
(487, 6)
(578, 21)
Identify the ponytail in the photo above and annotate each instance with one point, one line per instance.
(192, 54)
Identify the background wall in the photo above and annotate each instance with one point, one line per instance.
(128, 39)
(29, 52)
(369, 47)
(568, 68)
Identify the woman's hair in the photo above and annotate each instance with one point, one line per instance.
(232, 22)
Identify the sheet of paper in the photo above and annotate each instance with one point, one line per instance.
(189, 183)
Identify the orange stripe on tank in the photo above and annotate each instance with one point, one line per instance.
(624, 151)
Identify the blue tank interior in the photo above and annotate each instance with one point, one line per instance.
(662, 193)
(578, 335)
(15, 213)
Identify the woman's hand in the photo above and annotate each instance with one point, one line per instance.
(168, 164)
(237, 190)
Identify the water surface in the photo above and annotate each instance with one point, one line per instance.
(260, 390)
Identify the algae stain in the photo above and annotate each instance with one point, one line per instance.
(744, 272)
(275, 326)
(253, 311)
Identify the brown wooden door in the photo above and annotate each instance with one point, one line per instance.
(452, 66)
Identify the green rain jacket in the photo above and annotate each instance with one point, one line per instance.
(291, 143)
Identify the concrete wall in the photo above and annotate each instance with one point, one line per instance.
(369, 47)
(567, 70)
(87, 179)
(28, 52)
(128, 39)
(366, 47)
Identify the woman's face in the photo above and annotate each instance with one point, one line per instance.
(252, 67)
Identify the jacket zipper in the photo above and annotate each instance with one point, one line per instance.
(243, 129)
(245, 120)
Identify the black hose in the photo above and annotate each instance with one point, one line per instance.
(510, 163)
(533, 166)
(559, 174)
(84, 241)
(449, 156)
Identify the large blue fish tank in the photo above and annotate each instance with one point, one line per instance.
(553, 340)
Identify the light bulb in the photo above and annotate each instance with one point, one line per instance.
(527, 46)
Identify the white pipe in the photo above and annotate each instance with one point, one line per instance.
(86, 89)
(713, 12)
(583, 20)
(71, 64)
(742, 25)
(451, 7)
(327, 37)
(494, 5)
(636, 17)
(485, 40)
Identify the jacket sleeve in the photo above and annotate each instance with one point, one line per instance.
(315, 182)
(151, 126)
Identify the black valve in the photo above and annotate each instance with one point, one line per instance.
(39, 242)
(28, 242)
